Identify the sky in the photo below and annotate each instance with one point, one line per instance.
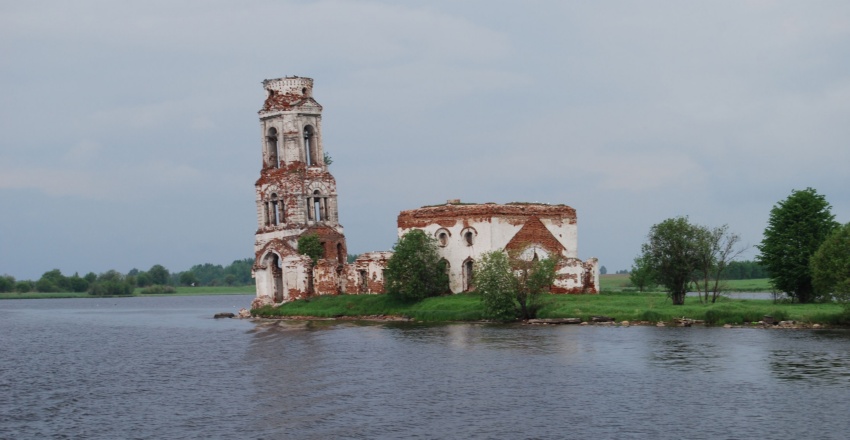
(129, 133)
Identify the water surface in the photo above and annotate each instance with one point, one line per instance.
(163, 368)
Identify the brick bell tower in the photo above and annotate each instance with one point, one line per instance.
(296, 195)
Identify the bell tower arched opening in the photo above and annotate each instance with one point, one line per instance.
(271, 148)
(311, 146)
(274, 268)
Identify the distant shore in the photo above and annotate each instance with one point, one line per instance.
(181, 291)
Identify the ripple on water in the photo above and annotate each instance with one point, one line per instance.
(65, 374)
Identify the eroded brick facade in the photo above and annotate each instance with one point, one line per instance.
(296, 195)
(528, 230)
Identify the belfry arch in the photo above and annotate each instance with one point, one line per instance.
(311, 146)
(271, 148)
(275, 284)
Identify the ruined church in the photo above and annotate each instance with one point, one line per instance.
(296, 196)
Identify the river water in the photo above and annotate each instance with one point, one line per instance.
(162, 368)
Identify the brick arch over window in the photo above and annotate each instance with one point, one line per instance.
(468, 271)
(311, 146)
(442, 235)
(271, 148)
(317, 207)
(468, 236)
(275, 210)
(273, 265)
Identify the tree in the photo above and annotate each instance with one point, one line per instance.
(24, 286)
(511, 287)
(158, 274)
(7, 283)
(603, 270)
(143, 279)
(188, 278)
(716, 248)
(52, 281)
(830, 266)
(796, 228)
(672, 254)
(78, 283)
(110, 283)
(641, 275)
(311, 246)
(415, 271)
(240, 270)
(496, 283)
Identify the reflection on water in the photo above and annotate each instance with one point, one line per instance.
(814, 360)
(165, 369)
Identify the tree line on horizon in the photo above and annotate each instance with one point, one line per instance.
(736, 270)
(804, 252)
(157, 279)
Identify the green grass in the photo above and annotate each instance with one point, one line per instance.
(653, 307)
(461, 307)
(620, 283)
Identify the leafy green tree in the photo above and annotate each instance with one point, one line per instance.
(603, 270)
(415, 271)
(110, 283)
(796, 228)
(672, 252)
(311, 246)
(745, 270)
(534, 278)
(511, 287)
(830, 266)
(241, 271)
(208, 274)
(78, 283)
(24, 286)
(158, 274)
(188, 278)
(7, 283)
(641, 275)
(143, 279)
(90, 277)
(716, 248)
(52, 281)
(495, 281)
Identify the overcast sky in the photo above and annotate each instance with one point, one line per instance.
(129, 133)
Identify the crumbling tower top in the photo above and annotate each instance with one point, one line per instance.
(294, 85)
(287, 93)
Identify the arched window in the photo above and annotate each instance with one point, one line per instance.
(275, 211)
(271, 148)
(364, 280)
(468, 275)
(442, 237)
(469, 235)
(319, 206)
(311, 147)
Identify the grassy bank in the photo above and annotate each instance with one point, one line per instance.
(653, 307)
(621, 283)
(181, 291)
